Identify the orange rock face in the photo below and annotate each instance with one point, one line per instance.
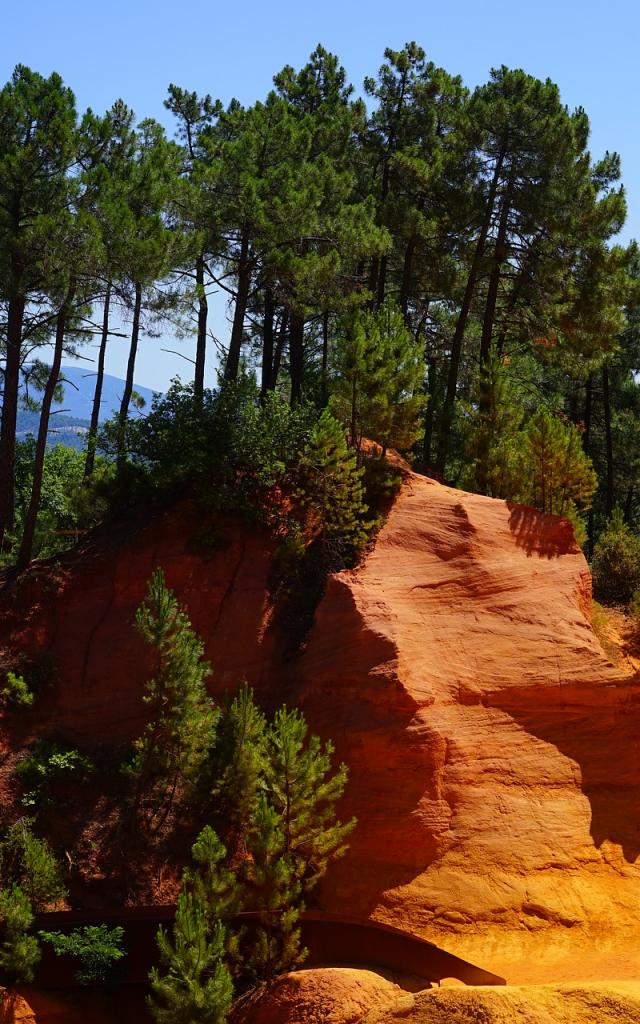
(329, 995)
(494, 750)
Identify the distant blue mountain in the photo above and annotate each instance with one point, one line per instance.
(80, 386)
(70, 419)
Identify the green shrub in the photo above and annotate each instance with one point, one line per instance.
(48, 763)
(616, 562)
(29, 862)
(229, 448)
(97, 947)
(16, 691)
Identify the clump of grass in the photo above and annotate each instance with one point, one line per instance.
(601, 621)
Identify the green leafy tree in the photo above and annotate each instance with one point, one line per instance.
(97, 947)
(616, 561)
(174, 745)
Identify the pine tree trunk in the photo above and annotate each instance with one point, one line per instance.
(242, 298)
(277, 357)
(606, 398)
(11, 387)
(586, 443)
(407, 272)
(486, 391)
(296, 357)
(324, 389)
(26, 545)
(382, 281)
(428, 414)
(463, 316)
(267, 342)
(201, 343)
(131, 366)
(97, 394)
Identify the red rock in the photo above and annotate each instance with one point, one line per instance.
(328, 995)
(493, 748)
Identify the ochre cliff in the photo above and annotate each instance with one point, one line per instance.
(493, 748)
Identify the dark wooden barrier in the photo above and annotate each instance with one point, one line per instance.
(332, 940)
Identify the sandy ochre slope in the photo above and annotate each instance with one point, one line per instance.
(494, 751)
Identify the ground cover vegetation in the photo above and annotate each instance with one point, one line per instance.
(432, 266)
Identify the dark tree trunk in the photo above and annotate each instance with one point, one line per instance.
(277, 356)
(486, 391)
(373, 279)
(407, 273)
(26, 545)
(606, 398)
(628, 505)
(131, 366)
(267, 342)
(465, 309)
(586, 443)
(11, 387)
(201, 343)
(324, 390)
(296, 357)
(242, 298)
(428, 414)
(97, 394)
(382, 281)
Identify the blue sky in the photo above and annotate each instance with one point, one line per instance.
(134, 49)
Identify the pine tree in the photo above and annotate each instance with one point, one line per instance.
(197, 214)
(293, 838)
(19, 950)
(28, 861)
(193, 985)
(330, 487)
(238, 766)
(175, 743)
(559, 474)
(303, 790)
(37, 152)
(377, 377)
(274, 890)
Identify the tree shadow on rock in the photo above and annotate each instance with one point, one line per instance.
(598, 728)
(540, 534)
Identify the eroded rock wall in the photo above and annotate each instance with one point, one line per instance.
(493, 748)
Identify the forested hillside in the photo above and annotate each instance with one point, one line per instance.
(436, 266)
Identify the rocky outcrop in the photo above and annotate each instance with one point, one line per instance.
(495, 767)
(330, 995)
(492, 746)
(529, 1004)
